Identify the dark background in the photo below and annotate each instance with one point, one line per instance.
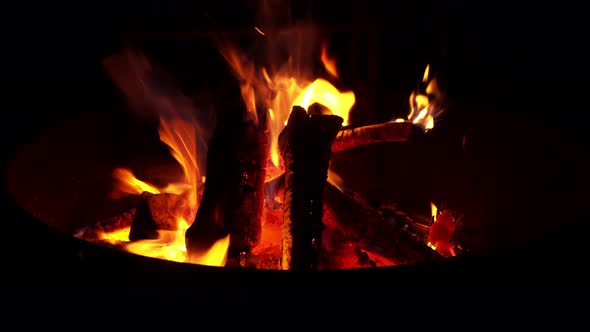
(514, 58)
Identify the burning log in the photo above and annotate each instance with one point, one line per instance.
(233, 198)
(305, 144)
(383, 226)
(366, 135)
(156, 212)
(253, 156)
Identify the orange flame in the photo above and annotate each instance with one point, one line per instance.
(329, 64)
(127, 183)
(180, 136)
(178, 130)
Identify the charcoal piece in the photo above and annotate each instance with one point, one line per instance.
(143, 225)
(305, 144)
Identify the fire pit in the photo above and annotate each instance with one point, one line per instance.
(281, 175)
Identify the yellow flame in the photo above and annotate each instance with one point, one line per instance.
(127, 183)
(433, 211)
(169, 245)
(290, 93)
(180, 136)
(322, 92)
(114, 237)
(216, 255)
(426, 74)
(329, 64)
(400, 120)
(432, 246)
(424, 106)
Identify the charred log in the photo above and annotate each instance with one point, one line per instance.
(305, 144)
(247, 228)
(219, 203)
(372, 134)
(233, 197)
(380, 227)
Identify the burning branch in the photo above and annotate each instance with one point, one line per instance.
(305, 146)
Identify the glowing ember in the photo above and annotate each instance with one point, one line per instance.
(441, 231)
(329, 64)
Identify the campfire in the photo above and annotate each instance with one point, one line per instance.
(261, 193)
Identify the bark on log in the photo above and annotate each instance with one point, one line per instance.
(377, 133)
(305, 144)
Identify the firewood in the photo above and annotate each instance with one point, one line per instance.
(233, 198)
(380, 226)
(163, 209)
(253, 154)
(305, 144)
(372, 134)
(219, 203)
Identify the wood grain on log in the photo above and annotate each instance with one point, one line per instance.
(372, 134)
